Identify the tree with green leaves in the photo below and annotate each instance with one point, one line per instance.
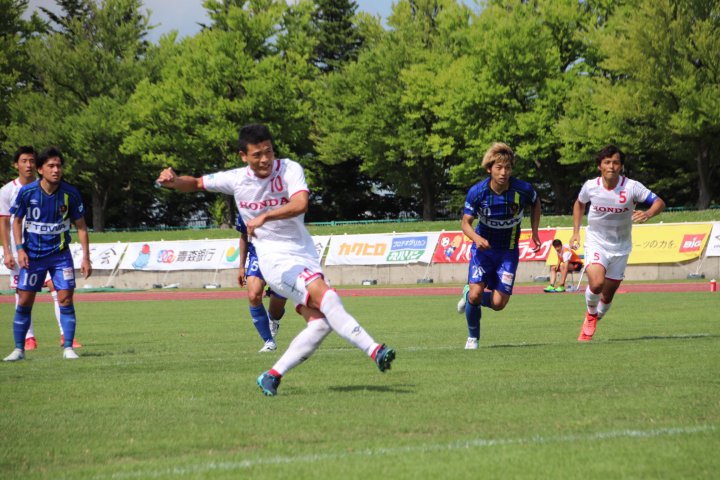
(387, 107)
(657, 93)
(250, 65)
(86, 70)
(16, 73)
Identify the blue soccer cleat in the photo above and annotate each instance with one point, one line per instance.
(268, 384)
(384, 357)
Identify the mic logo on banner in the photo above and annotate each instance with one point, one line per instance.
(691, 243)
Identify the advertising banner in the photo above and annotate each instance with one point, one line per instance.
(668, 243)
(713, 245)
(382, 249)
(657, 243)
(104, 256)
(182, 255)
(190, 254)
(454, 247)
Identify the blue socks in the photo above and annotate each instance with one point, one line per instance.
(21, 323)
(260, 320)
(68, 321)
(486, 298)
(472, 315)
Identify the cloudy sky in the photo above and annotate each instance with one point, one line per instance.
(183, 15)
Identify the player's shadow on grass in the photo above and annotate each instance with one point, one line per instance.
(663, 337)
(375, 388)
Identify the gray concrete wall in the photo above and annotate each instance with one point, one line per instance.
(388, 274)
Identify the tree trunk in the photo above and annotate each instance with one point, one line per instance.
(99, 202)
(428, 195)
(703, 168)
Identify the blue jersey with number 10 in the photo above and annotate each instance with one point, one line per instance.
(47, 217)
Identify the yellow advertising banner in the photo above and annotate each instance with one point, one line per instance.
(657, 243)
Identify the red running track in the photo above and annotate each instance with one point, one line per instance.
(156, 295)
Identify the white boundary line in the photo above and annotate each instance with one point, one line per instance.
(426, 448)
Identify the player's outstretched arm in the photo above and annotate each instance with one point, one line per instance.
(641, 217)
(169, 179)
(578, 212)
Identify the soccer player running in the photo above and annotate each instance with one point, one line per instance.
(43, 211)
(24, 163)
(272, 197)
(608, 242)
(266, 322)
(498, 203)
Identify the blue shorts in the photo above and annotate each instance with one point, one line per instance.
(59, 265)
(253, 268)
(495, 268)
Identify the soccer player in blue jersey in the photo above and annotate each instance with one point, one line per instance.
(498, 203)
(266, 322)
(43, 212)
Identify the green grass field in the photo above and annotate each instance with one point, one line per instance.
(166, 390)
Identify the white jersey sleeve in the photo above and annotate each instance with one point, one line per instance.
(7, 196)
(222, 182)
(295, 178)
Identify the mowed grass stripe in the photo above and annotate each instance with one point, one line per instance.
(168, 388)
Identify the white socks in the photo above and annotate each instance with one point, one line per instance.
(57, 310)
(303, 345)
(603, 308)
(591, 300)
(344, 324)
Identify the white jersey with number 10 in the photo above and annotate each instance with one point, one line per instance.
(254, 196)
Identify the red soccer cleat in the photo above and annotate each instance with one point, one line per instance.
(588, 328)
(30, 343)
(75, 344)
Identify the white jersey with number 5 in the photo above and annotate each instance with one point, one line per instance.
(610, 216)
(254, 196)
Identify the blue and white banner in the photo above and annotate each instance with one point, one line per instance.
(382, 249)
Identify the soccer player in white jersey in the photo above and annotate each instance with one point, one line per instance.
(24, 163)
(608, 241)
(272, 197)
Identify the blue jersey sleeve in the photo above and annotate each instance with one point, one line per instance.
(19, 207)
(76, 206)
(240, 225)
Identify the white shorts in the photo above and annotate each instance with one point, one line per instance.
(290, 275)
(614, 264)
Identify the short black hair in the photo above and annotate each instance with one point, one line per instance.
(253, 133)
(24, 150)
(557, 243)
(48, 153)
(608, 151)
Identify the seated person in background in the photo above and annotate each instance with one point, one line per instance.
(567, 261)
